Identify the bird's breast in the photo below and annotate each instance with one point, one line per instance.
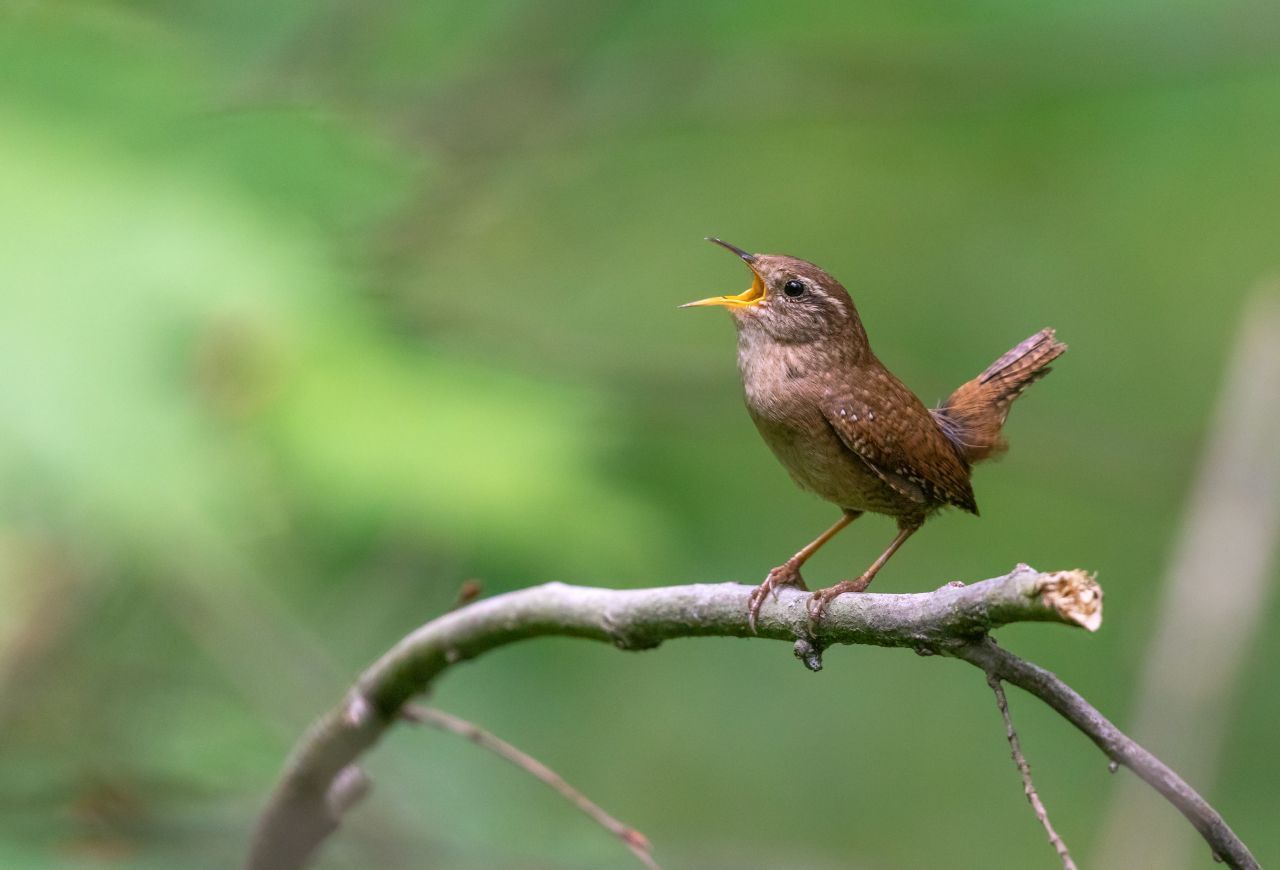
(776, 378)
(785, 396)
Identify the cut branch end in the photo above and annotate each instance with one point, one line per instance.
(1075, 595)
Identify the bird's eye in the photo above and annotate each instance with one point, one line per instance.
(793, 288)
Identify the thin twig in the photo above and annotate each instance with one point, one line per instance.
(637, 842)
(1024, 769)
(1118, 746)
(950, 621)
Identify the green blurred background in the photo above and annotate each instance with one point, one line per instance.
(311, 311)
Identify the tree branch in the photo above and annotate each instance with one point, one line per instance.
(637, 842)
(953, 620)
(1024, 770)
(1004, 665)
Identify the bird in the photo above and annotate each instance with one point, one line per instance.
(844, 427)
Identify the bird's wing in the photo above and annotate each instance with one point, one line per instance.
(887, 441)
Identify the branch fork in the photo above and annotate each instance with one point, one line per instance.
(952, 621)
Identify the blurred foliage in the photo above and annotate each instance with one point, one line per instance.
(312, 311)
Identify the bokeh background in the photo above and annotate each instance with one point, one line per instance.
(310, 312)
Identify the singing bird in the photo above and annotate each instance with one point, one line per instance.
(843, 426)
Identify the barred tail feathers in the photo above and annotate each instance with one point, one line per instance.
(974, 414)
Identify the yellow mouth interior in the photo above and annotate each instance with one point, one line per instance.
(752, 296)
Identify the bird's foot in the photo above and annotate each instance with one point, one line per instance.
(786, 574)
(819, 600)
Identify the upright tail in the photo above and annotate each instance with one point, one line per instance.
(974, 414)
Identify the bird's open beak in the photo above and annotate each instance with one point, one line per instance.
(753, 294)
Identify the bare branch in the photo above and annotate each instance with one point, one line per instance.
(950, 621)
(349, 787)
(1004, 665)
(637, 842)
(1024, 769)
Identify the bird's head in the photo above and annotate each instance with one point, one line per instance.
(791, 301)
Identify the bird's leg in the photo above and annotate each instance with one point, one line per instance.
(819, 600)
(788, 573)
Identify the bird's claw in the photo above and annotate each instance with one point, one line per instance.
(817, 604)
(786, 574)
(819, 600)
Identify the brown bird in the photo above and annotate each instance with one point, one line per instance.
(844, 426)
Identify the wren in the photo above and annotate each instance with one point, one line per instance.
(844, 427)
